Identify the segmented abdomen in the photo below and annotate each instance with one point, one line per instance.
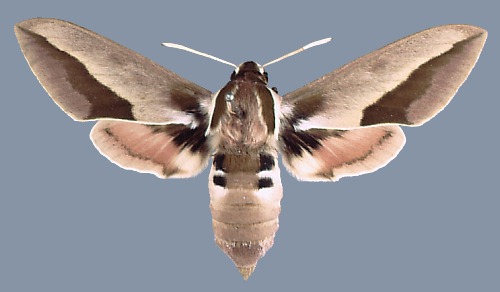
(245, 193)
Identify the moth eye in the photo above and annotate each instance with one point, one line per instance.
(229, 96)
(266, 76)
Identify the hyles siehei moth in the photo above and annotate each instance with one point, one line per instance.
(346, 123)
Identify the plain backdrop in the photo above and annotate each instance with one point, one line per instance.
(72, 221)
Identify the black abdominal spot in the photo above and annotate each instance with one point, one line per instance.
(219, 181)
(218, 161)
(266, 162)
(265, 183)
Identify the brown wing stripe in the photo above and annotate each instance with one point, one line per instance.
(393, 105)
(103, 101)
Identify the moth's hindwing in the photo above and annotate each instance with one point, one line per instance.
(172, 150)
(328, 155)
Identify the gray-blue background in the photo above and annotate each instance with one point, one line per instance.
(72, 221)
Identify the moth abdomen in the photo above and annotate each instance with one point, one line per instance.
(245, 193)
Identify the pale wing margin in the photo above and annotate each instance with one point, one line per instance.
(92, 77)
(173, 150)
(328, 155)
(406, 82)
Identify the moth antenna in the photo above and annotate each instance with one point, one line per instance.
(313, 44)
(181, 47)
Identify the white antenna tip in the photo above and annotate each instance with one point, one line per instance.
(317, 43)
(181, 47)
(171, 45)
(308, 46)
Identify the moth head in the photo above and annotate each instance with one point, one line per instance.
(250, 71)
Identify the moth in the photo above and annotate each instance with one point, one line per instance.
(345, 123)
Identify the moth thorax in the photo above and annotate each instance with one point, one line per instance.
(244, 115)
(242, 135)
